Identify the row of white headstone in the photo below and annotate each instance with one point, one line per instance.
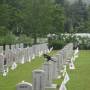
(72, 67)
(42, 78)
(18, 54)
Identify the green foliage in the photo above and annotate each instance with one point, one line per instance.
(60, 2)
(38, 18)
(3, 31)
(76, 17)
(57, 44)
(62, 40)
(85, 43)
(31, 17)
(24, 39)
(58, 19)
(5, 12)
(87, 23)
(7, 39)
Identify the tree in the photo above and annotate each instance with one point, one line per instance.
(58, 19)
(31, 17)
(62, 2)
(10, 17)
(39, 18)
(78, 14)
(87, 23)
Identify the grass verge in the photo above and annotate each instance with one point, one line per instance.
(22, 72)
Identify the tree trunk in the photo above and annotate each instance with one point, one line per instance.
(35, 38)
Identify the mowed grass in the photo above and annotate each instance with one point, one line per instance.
(22, 72)
(80, 77)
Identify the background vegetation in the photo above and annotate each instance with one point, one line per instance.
(59, 41)
(29, 19)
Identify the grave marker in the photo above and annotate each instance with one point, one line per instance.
(24, 86)
(38, 80)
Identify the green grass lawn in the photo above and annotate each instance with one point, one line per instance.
(22, 72)
(80, 77)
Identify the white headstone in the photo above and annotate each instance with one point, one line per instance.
(1, 49)
(59, 65)
(17, 46)
(47, 67)
(38, 80)
(22, 61)
(1, 63)
(21, 45)
(13, 47)
(54, 68)
(24, 86)
(7, 49)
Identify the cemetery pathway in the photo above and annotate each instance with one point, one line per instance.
(80, 77)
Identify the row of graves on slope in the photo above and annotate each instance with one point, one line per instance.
(51, 70)
(17, 54)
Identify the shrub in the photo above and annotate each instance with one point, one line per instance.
(8, 39)
(57, 44)
(62, 40)
(25, 39)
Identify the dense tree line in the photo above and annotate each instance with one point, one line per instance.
(77, 16)
(37, 18)
(31, 17)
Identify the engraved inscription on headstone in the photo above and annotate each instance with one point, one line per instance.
(24, 86)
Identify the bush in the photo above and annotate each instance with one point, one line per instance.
(57, 44)
(24, 39)
(8, 39)
(62, 40)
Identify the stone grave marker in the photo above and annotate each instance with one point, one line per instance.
(54, 69)
(13, 48)
(48, 71)
(47, 67)
(1, 63)
(38, 80)
(21, 45)
(5, 66)
(1, 49)
(17, 46)
(7, 49)
(24, 86)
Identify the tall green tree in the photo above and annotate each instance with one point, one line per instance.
(62, 2)
(78, 14)
(31, 17)
(42, 17)
(10, 17)
(58, 19)
(87, 23)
